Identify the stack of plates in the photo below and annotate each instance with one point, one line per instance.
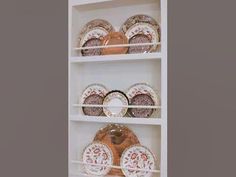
(141, 29)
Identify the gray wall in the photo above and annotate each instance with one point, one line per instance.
(33, 88)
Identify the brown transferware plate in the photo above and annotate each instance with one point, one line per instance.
(141, 29)
(141, 99)
(92, 34)
(94, 94)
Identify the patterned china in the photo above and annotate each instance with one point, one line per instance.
(137, 157)
(141, 29)
(92, 35)
(114, 102)
(141, 99)
(142, 94)
(100, 155)
(93, 94)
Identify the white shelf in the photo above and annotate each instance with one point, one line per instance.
(116, 72)
(114, 166)
(85, 2)
(117, 45)
(122, 57)
(82, 174)
(116, 106)
(119, 120)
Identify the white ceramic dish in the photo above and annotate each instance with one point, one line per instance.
(114, 102)
(137, 157)
(100, 155)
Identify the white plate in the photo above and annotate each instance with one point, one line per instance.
(137, 157)
(100, 154)
(116, 100)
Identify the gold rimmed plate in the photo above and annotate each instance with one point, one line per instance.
(100, 155)
(115, 102)
(92, 35)
(142, 94)
(137, 157)
(140, 18)
(141, 29)
(94, 94)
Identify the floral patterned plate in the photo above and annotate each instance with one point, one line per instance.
(92, 34)
(100, 155)
(142, 33)
(137, 157)
(142, 94)
(115, 99)
(141, 18)
(141, 29)
(141, 99)
(93, 94)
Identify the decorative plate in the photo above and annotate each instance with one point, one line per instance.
(92, 34)
(141, 99)
(118, 137)
(98, 154)
(93, 94)
(139, 19)
(137, 157)
(142, 33)
(141, 29)
(142, 94)
(114, 38)
(114, 99)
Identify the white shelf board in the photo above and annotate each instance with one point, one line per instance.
(116, 106)
(117, 45)
(82, 174)
(114, 166)
(84, 2)
(122, 57)
(119, 120)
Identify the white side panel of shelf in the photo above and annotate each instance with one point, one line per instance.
(164, 89)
